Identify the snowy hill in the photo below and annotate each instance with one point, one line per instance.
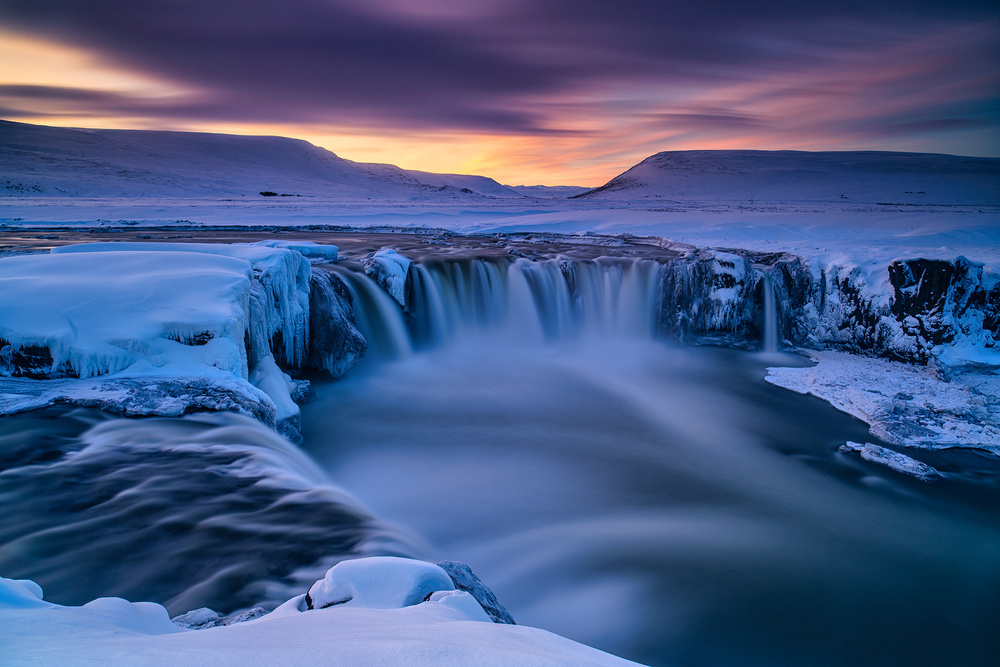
(548, 191)
(868, 177)
(49, 161)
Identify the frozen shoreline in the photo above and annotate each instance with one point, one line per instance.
(905, 405)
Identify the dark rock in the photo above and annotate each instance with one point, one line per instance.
(335, 344)
(710, 297)
(465, 580)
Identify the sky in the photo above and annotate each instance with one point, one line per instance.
(555, 92)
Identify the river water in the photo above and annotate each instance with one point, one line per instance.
(658, 502)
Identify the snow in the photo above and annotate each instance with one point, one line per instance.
(279, 291)
(141, 396)
(94, 322)
(389, 622)
(267, 377)
(905, 405)
(380, 583)
(899, 462)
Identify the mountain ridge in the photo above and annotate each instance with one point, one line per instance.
(865, 176)
(38, 160)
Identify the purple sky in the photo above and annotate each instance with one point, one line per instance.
(551, 90)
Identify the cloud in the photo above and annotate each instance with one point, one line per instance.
(649, 73)
(469, 64)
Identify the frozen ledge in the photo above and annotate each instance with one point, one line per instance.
(905, 405)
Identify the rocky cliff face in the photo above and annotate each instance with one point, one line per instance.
(918, 310)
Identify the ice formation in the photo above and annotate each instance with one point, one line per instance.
(899, 462)
(391, 271)
(155, 328)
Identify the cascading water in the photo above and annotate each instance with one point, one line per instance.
(770, 323)
(524, 301)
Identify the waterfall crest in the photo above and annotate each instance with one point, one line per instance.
(519, 300)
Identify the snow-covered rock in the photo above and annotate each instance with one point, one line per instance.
(148, 328)
(466, 580)
(278, 309)
(203, 618)
(141, 396)
(899, 462)
(384, 582)
(91, 314)
(315, 252)
(391, 271)
(914, 310)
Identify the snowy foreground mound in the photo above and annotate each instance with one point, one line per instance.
(375, 611)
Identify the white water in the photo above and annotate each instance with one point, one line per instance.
(770, 342)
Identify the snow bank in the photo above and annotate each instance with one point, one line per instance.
(279, 292)
(90, 314)
(392, 621)
(905, 405)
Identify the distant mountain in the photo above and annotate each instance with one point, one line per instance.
(36, 160)
(548, 191)
(858, 176)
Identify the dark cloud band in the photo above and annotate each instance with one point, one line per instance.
(483, 65)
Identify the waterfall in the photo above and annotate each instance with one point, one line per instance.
(521, 300)
(378, 317)
(770, 324)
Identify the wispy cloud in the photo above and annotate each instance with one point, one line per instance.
(557, 82)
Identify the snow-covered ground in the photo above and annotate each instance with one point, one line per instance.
(396, 612)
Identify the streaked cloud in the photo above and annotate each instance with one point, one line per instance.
(525, 90)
